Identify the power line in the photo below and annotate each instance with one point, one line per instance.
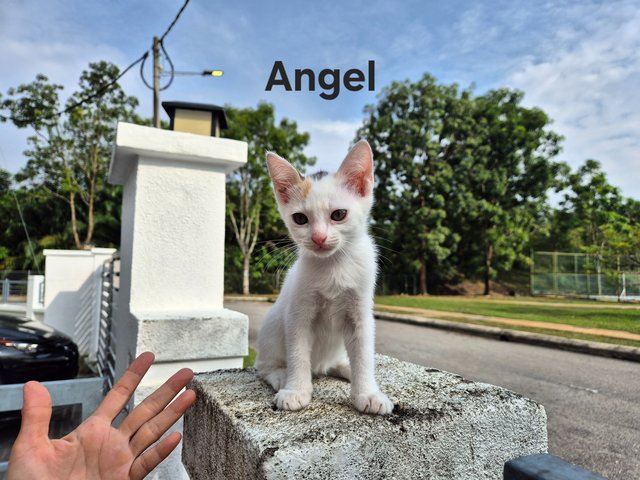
(24, 224)
(84, 100)
(171, 70)
(102, 90)
(174, 20)
(26, 232)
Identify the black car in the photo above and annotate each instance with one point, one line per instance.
(31, 350)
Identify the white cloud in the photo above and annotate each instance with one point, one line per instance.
(63, 64)
(587, 82)
(576, 60)
(474, 29)
(330, 141)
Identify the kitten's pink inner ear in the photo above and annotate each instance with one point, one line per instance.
(283, 175)
(357, 169)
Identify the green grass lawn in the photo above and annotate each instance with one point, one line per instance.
(610, 318)
(250, 359)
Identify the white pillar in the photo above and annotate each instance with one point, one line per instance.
(72, 294)
(35, 304)
(172, 255)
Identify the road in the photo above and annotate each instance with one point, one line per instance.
(592, 403)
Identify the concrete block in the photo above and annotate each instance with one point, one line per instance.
(443, 427)
(217, 333)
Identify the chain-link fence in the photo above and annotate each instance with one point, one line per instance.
(583, 275)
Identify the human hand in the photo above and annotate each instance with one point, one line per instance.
(96, 449)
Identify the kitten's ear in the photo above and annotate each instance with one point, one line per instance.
(283, 175)
(356, 170)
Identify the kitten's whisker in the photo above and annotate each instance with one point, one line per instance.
(281, 256)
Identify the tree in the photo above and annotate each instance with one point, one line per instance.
(5, 202)
(591, 207)
(69, 154)
(461, 181)
(506, 174)
(250, 201)
(416, 132)
(45, 222)
(600, 222)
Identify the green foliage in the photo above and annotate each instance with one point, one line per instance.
(596, 217)
(5, 186)
(69, 154)
(254, 221)
(505, 177)
(46, 221)
(416, 131)
(250, 359)
(461, 182)
(597, 220)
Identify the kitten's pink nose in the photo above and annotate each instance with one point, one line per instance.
(319, 238)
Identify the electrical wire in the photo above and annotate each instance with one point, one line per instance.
(24, 224)
(174, 21)
(161, 43)
(88, 98)
(102, 90)
(26, 232)
(172, 72)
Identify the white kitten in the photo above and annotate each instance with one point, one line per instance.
(322, 322)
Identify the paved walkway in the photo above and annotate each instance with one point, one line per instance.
(511, 321)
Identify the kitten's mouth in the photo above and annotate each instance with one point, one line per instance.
(323, 251)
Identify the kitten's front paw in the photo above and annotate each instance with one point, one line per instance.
(376, 403)
(292, 399)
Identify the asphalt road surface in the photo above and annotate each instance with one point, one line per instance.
(592, 403)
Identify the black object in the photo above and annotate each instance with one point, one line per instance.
(31, 350)
(542, 466)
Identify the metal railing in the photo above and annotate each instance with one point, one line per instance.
(106, 356)
(13, 291)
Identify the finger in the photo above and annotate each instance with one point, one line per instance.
(150, 459)
(119, 395)
(152, 430)
(156, 402)
(36, 412)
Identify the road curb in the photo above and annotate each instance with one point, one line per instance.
(581, 346)
(250, 298)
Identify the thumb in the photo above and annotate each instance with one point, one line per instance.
(36, 411)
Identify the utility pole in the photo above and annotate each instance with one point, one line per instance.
(156, 82)
(157, 73)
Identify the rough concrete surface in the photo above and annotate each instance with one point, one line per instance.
(443, 427)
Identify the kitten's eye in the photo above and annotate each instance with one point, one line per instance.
(300, 218)
(338, 215)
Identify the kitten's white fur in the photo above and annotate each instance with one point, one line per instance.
(322, 322)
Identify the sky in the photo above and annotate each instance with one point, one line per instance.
(579, 61)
